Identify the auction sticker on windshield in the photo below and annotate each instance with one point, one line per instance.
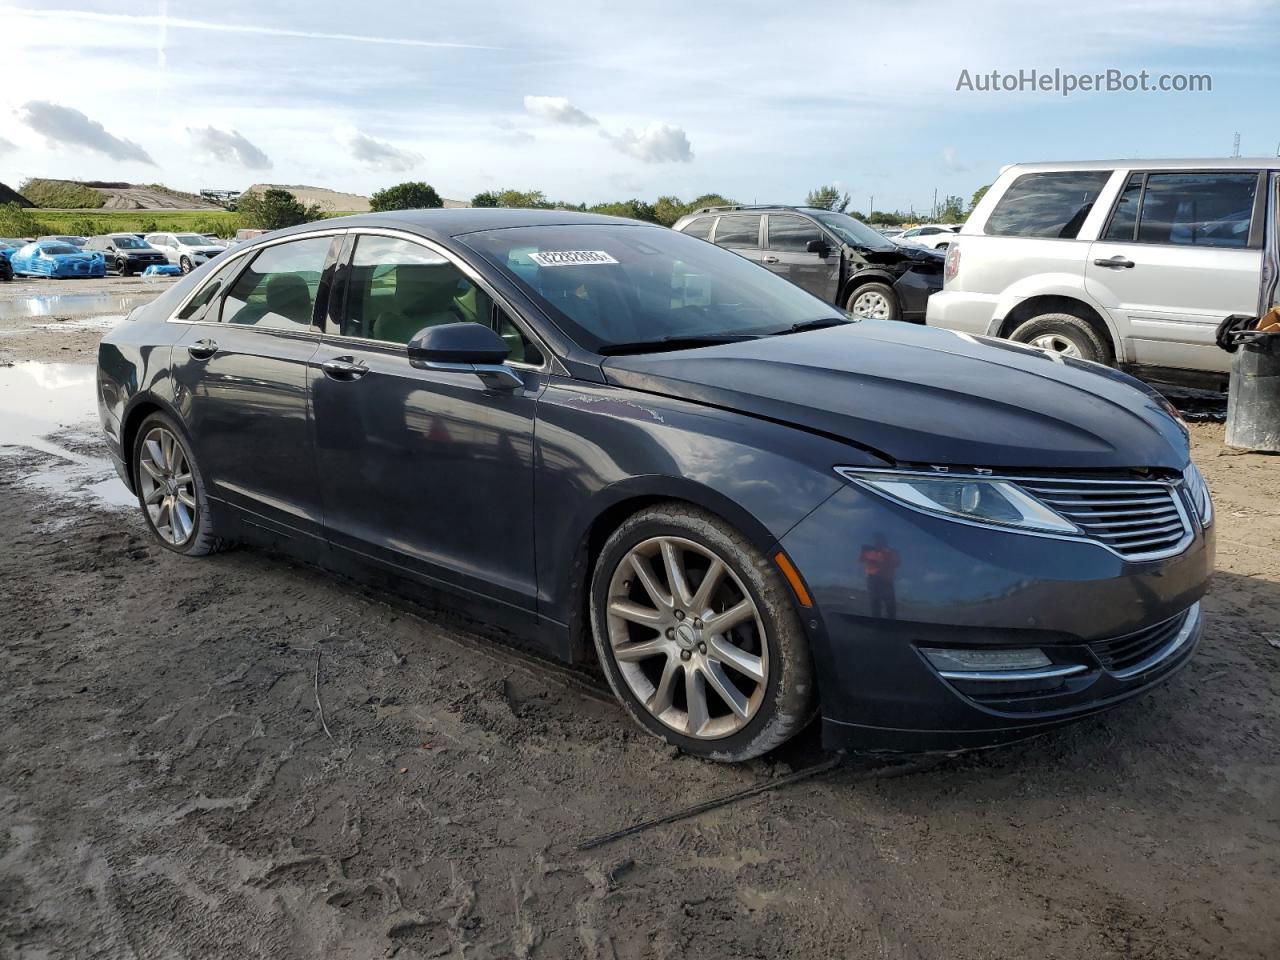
(570, 258)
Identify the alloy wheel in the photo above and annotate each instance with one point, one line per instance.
(871, 306)
(1057, 343)
(167, 486)
(687, 638)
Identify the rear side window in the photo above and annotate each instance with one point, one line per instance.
(1198, 209)
(700, 228)
(791, 234)
(279, 288)
(738, 232)
(1047, 204)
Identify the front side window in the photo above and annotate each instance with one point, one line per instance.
(1198, 209)
(607, 286)
(1047, 204)
(738, 232)
(791, 234)
(279, 288)
(203, 305)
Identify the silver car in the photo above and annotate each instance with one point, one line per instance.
(185, 250)
(1132, 263)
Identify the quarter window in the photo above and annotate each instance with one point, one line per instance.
(1198, 209)
(279, 288)
(738, 232)
(1125, 216)
(791, 234)
(1047, 204)
(700, 228)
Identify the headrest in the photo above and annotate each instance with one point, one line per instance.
(289, 296)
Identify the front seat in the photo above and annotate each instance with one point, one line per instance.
(289, 296)
(424, 297)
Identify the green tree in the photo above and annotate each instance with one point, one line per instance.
(827, 197)
(978, 195)
(708, 200)
(16, 221)
(952, 210)
(634, 209)
(528, 199)
(412, 195)
(274, 208)
(667, 210)
(486, 198)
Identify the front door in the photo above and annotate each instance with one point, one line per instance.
(240, 376)
(1181, 252)
(786, 254)
(427, 471)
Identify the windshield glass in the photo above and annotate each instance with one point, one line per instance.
(130, 243)
(191, 240)
(58, 248)
(854, 232)
(607, 285)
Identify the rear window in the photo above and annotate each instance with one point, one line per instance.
(1047, 204)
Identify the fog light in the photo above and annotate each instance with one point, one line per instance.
(990, 660)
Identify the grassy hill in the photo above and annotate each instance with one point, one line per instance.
(60, 193)
(97, 221)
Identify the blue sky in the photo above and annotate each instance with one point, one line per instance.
(592, 101)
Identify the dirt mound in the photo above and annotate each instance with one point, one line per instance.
(9, 195)
(150, 197)
(327, 200)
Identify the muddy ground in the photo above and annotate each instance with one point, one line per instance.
(167, 788)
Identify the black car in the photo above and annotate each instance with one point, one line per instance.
(126, 253)
(832, 255)
(617, 442)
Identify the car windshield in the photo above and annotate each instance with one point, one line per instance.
(130, 243)
(192, 240)
(617, 288)
(58, 248)
(853, 232)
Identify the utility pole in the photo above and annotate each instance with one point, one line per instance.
(933, 211)
(871, 209)
(1235, 151)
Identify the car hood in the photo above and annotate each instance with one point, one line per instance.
(927, 396)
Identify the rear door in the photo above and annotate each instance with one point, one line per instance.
(1181, 251)
(241, 378)
(740, 232)
(787, 237)
(424, 470)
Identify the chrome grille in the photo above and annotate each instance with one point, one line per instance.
(1135, 518)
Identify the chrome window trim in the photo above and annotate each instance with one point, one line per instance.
(473, 275)
(1175, 495)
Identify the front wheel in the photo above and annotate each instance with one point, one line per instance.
(171, 489)
(873, 301)
(184, 264)
(122, 268)
(698, 635)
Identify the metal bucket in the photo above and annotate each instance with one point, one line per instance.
(1253, 402)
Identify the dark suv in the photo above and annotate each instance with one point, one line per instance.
(832, 255)
(126, 253)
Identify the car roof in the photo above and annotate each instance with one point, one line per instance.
(1190, 163)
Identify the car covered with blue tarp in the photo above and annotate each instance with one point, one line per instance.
(51, 258)
(8, 247)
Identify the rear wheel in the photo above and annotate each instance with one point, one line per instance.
(1064, 334)
(171, 489)
(698, 635)
(873, 301)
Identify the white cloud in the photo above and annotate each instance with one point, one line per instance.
(657, 143)
(7, 146)
(558, 110)
(377, 154)
(950, 162)
(229, 146)
(63, 126)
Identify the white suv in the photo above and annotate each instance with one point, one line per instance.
(1126, 262)
(937, 236)
(185, 250)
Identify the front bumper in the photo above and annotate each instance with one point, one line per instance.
(962, 586)
(914, 289)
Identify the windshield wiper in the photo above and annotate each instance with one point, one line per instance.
(673, 343)
(821, 324)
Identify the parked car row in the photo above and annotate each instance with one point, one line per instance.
(122, 253)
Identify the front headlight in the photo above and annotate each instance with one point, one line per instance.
(997, 502)
(1198, 491)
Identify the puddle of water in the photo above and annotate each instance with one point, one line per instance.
(41, 399)
(68, 304)
(83, 323)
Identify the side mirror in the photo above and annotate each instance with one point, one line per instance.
(817, 246)
(465, 348)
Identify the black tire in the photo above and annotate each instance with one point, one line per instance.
(788, 701)
(184, 264)
(122, 267)
(203, 538)
(867, 292)
(1065, 329)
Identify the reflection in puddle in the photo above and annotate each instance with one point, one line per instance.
(68, 304)
(39, 400)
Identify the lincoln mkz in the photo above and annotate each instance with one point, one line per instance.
(616, 442)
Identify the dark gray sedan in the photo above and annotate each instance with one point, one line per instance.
(616, 442)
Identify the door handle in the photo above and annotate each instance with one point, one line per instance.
(344, 368)
(769, 260)
(1118, 260)
(203, 349)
